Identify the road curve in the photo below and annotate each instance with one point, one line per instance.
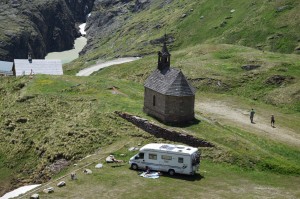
(90, 70)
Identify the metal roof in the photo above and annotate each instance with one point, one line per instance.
(170, 148)
(38, 66)
(170, 81)
(6, 68)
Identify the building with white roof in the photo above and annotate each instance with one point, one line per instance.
(6, 68)
(37, 66)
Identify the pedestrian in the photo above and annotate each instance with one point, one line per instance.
(272, 121)
(252, 115)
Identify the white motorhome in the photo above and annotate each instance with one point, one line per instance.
(168, 158)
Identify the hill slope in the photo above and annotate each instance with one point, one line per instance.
(127, 28)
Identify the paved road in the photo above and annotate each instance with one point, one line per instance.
(90, 70)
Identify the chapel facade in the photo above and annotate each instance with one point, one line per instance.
(168, 95)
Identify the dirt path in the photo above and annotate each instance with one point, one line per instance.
(90, 70)
(227, 114)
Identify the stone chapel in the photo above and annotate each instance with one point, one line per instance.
(168, 95)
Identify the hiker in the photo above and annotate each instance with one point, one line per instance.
(272, 121)
(252, 115)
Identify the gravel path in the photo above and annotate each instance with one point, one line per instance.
(227, 114)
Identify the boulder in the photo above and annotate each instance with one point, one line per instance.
(87, 171)
(35, 196)
(61, 184)
(250, 67)
(49, 190)
(110, 159)
(98, 166)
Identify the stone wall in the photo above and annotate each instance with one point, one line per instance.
(160, 132)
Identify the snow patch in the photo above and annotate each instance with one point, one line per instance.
(19, 191)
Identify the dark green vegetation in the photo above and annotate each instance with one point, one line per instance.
(47, 119)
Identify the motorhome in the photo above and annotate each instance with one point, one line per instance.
(168, 158)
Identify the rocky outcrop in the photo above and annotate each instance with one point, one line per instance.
(39, 27)
(108, 16)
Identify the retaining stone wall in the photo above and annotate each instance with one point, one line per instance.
(160, 132)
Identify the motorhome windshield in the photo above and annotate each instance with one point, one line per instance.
(195, 158)
(139, 156)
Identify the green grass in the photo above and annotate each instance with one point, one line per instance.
(213, 180)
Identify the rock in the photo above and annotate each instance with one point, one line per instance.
(183, 15)
(250, 67)
(49, 190)
(98, 166)
(73, 176)
(35, 196)
(282, 8)
(87, 171)
(202, 17)
(109, 159)
(223, 24)
(232, 11)
(297, 48)
(278, 80)
(61, 184)
(22, 120)
(122, 155)
(133, 149)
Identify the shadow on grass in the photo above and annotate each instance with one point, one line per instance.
(196, 177)
(184, 124)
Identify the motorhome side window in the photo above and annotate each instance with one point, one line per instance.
(180, 160)
(152, 156)
(166, 157)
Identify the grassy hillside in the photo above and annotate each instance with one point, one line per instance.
(49, 119)
(264, 25)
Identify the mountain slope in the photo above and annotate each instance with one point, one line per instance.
(266, 25)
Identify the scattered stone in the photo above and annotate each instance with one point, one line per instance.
(283, 8)
(250, 67)
(202, 17)
(110, 159)
(183, 15)
(61, 184)
(232, 11)
(49, 190)
(99, 166)
(278, 79)
(22, 120)
(133, 149)
(75, 165)
(58, 165)
(191, 10)
(297, 48)
(223, 24)
(73, 176)
(35, 196)
(122, 155)
(87, 171)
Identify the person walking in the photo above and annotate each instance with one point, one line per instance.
(252, 112)
(272, 121)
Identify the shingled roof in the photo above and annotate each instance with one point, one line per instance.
(38, 66)
(169, 82)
